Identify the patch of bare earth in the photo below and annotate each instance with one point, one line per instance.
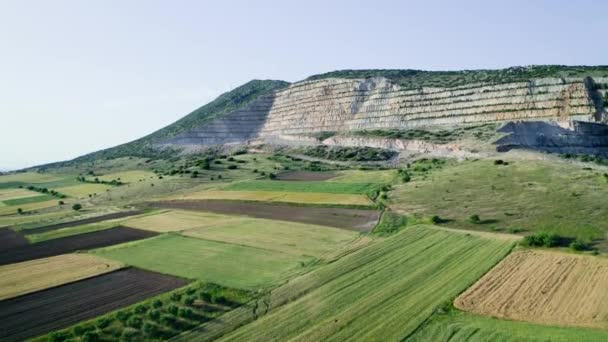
(543, 287)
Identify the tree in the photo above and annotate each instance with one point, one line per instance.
(61, 203)
(77, 206)
(475, 219)
(19, 211)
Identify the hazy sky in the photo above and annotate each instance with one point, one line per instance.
(78, 76)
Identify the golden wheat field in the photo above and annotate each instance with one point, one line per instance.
(543, 287)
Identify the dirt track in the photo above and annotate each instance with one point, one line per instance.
(10, 239)
(305, 176)
(353, 219)
(74, 243)
(81, 222)
(543, 287)
(44, 311)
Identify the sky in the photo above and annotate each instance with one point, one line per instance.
(79, 76)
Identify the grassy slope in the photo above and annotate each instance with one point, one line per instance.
(221, 263)
(382, 292)
(460, 326)
(304, 186)
(534, 195)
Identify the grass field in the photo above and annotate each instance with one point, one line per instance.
(173, 221)
(12, 210)
(84, 189)
(31, 177)
(358, 176)
(30, 276)
(453, 325)
(531, 195)
(221, 263)
(287, 237)
(304, 186)
(15, 193)
(543, 287)
(27, 200)
(128, 176)
(277, 196)
(381, 292)
(68, 231)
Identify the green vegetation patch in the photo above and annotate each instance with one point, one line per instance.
(305, 186)
(390, 223)
(222, 263)
(158, 318)
(349, 153)
(407, 275)
(26, 200)
(452, 325)
(441, 136)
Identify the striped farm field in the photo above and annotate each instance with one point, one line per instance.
(382, 292)
(543, 287)
(279, 196)
(10, 194)
(31, 276)
(12, 209)
(304, 186)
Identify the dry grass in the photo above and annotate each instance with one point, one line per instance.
(277, 196)
(12, 209)
(30, 276)
(543, 287)
(9, 194)
(173, 221)
(84, 189)
(129, 176)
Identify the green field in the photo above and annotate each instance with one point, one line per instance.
(217, 262)
(26, 200)
(304, 186)
(381, 292)
(453, 325)
(312, 198)
(531, 195)
(84, 189)
(359, 176)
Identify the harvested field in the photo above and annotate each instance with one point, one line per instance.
(354, 219)
(12, 210)
(305, 176)
(543, 287)
(74, 243)
(84, 189)
(128, 176)
(82, 222)
(44, 311)
(9, 194)
(31, 276)
(281, 196)
(10, 239)
(304, 186)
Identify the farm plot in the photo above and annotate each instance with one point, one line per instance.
(31, 276)
(462, 326)
(40, 312)
(286, 237)
(12, 210)
(10, 239)
(128, 176)
(280, 196)
(174, 221)
(74, 243)
(355, 219)
(81, 222)
(10, 194)
(305, 176)
(382, 292)
(84, 189)
(543, 287)
(217, 262)
(304, 186)
(31, 177)
(358, 176)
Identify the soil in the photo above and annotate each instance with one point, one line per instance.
(83, 221)
(362, 220)
(74, 243)
(305, 176)
(59, 307)
(10, 239)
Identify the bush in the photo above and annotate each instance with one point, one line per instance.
(186, 313)
(272, 176)
(19, 211)
(151, 329)
(140, 309)
(123, 316)
(255, 170)
(189, 300)
(390, 223)
(77, 206)
(134, 322)
(204, 296)
(172, 309)
(474, 219)
(232, 167)
(154, 315)
(498, 162)
(102, 322)
(436, 219)
(59, 336)
(578, 245)
(542, 239)
(90, 336)
(157, 304)
(61, 202)
(129, 334)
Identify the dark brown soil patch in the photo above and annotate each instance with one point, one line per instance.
(362, 220)
(59, 307)
(81, 222)
(74, 243)
(10, 239)
(305, 176)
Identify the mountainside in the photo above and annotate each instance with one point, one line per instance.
(277, 112)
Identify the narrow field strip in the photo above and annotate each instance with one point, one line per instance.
(278, 196)
(10, 239)
(31, 276)
(304, 186)
(381, 292)
(81, 222)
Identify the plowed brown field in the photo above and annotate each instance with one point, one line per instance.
(543, 287)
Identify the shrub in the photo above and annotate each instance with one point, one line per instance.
(436, 219)
(102, 322)
(405, 177)
(77, 206)
(499, 162)
(167, 320)
(390, 223)
(232, 167)
(255, 170)
(474, 219)
(186, 313)
(542, 239)
(90, 336)
(140, 309)
(61, 202)
(578, 245)
(189, 300)
(154, 314)
(59, 336)
(134, 322)
(19, 211)
(176, 296)
(272, 176)
(516, 230)
(151, 329)
(157, 304)
(230, 159)
(123, 316)
(129, 334)
(204, 296)
(172, 309)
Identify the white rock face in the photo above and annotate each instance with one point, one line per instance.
(354, 104)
